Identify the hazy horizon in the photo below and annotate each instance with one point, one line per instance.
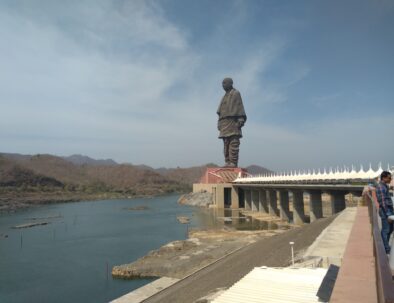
(356, 166)
(106, 159)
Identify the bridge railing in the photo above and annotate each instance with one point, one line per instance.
(384, 277)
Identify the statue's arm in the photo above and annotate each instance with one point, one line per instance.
(242, 118)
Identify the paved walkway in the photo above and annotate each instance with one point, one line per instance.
(331, 243)
(356, 281)
(321, 239)
(146, 291)
(274, 252)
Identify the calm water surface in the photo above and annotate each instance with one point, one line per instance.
(70, 259)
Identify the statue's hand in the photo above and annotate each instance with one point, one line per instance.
(241, 123)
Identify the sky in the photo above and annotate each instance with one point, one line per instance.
(140, 81)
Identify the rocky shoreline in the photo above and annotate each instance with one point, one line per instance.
(179, 259)
(200, 199)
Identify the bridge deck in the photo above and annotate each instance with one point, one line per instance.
(304, 186)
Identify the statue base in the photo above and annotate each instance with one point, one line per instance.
(214, 175)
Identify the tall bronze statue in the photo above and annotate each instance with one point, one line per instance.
(232, 118)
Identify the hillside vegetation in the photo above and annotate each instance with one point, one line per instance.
(35, 179)
(51, 173)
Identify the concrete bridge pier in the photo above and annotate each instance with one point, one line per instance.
(284, 205)
(263, 204)
(272, 202)
(298, 207)
(248, 199)
(234, 197)
(315, 205)
(255, 200)
(337, 201)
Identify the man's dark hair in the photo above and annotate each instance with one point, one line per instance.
(385, 174)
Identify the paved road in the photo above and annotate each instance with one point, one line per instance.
(274, 251)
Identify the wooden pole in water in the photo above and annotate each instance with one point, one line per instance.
(107, 270)
(21, 240)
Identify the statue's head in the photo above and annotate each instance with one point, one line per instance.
(227, 84)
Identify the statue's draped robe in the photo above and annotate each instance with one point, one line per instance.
(231, 111)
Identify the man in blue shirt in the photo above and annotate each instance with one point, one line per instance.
(385, 208)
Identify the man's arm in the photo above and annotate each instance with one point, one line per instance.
(387, 199)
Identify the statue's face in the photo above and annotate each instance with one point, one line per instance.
(227, 84)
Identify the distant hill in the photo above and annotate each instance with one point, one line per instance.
(256, 170)
(36, 179)
(188, 175)
(78, 172)
(15, 156)
(98, 177)
(55, 167)
(143, 166)
(40, 179)
(85, 160)
(13, 175)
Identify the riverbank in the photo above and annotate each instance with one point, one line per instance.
(272, 251)
(179, 259)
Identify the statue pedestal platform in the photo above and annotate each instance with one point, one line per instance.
(218, 182)
(215, 175)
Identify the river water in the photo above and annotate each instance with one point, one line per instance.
(70, 259)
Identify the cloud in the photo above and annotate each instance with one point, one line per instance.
(119, 79)
(329, 143)
(50, 66)
(106, 75)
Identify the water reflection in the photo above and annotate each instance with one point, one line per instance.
(233, 218)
